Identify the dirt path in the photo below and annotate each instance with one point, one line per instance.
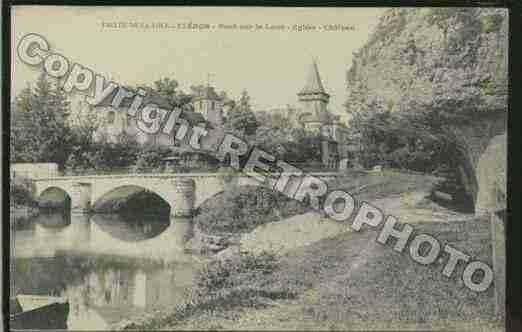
(288, 314)
(298, 232)
(413, 208)
(305, 229)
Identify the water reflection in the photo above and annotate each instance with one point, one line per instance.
(131, 227)
(106, 265)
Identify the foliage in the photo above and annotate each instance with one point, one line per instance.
(272, 120)
(88, 155)
(242, 209)
(39, 131)
(394, 140)
(392, 278)
(275, 141)
(241, 120)
(353, 281)
(307, 146)
(150, 157)
(417, 141)
(168, 89)
(220, 274)
(221, 286)
(21, 191)
(294, 145)
(86, 123)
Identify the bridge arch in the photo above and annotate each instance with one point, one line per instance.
(53, 197)
(118, 196)
(130, 228)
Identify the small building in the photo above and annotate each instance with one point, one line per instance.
(210, 105)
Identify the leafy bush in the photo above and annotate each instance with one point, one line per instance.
(294, 145)
(150, 157)
(242, 209)
(394, 140)
(89, 156)
(22, 191)
(222, 274)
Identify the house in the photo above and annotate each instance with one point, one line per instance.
(115, 122)
(206, 109)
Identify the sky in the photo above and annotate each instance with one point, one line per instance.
(271, 65)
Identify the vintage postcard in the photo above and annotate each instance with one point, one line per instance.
(258, 168)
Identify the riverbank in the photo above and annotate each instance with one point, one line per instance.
(325, 276)
(346, 282)
(243, 209)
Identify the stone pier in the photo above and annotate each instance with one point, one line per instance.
(181, 227)
(80, 198)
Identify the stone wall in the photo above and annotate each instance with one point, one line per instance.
(473, 138)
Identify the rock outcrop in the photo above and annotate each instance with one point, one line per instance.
(449, 59)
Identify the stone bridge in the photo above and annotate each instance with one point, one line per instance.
(182, 191)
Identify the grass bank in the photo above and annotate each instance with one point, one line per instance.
(242, 209)
(347, 282)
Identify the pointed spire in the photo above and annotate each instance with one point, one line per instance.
(313, 82)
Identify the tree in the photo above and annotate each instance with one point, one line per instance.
(21, 124)
(39, 124)
(241, 120)
(410, 140)
(87, 123)
(168, 89)
(306, 146)
(272, 120)
(150, 157)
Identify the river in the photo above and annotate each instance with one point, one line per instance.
(111, 267)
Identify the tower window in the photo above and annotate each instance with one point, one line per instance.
(110, 117)
(200, 104)
(213, 105)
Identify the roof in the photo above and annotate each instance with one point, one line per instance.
(153, 97)
(313, 83)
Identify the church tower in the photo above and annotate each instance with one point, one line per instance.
(208, 103)
(313, 98)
